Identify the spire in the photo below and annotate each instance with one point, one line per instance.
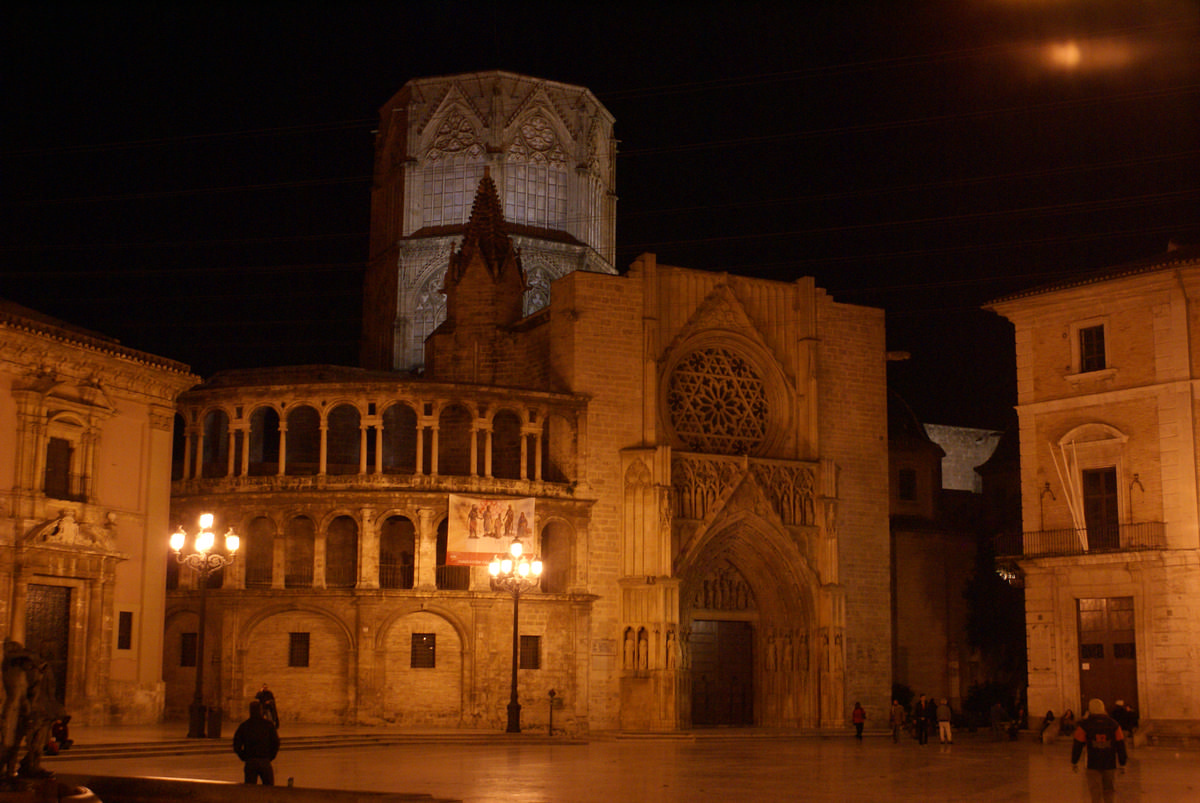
(485, 235)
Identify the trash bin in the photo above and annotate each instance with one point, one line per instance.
(214, 722)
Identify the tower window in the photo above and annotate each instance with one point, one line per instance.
(1091, 349)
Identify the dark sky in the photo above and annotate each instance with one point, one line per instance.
(192, 179)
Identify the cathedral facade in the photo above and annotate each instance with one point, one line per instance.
(706, 456)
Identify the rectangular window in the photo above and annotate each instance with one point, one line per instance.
(297, 649)
(57, 482)
(1091, 349)
(1091, 652)
(424, 651)
(187, 649)
(531, 652)
(125, 630)
(907, 483)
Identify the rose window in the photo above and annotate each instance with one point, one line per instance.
(717, 402)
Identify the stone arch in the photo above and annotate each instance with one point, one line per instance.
(556, 550)
(259, 550)
(264, 440)
(780, 603)
(506, 445)
(559, 448)
(400, 435)
(341, 550)
(397, 550)
(263, 648)
(214, 462)
(303, 439)
(343, 438)
(455, 430)
(443, 688)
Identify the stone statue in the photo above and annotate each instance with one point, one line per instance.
(30, 709)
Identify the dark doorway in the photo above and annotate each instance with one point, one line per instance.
(1107, 651)
(722, 672)
(47, 625)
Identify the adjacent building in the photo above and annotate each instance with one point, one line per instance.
(85, 457)
(1107, 369)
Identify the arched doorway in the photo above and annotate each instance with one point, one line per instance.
(748, 609)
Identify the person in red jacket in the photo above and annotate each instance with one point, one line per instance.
(1105, 743)
(859, 717)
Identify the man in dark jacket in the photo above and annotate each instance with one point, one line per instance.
(1105, 743)
(256, 743)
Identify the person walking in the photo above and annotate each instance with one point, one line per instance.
(256, 743)
(897, 720)
(859, 717)
(1105, 743)
(944, 715)
(920, 715)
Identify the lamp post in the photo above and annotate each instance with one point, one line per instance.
(204, 561)
(515, 573)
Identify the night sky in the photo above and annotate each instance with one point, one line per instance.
(193, 179)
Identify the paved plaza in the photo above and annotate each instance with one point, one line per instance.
(717, 765)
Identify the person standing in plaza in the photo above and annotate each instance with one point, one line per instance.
(920, 715)
(256, 743)
(944, 715)
(897, 720)
(859, 717)
(266, 699)
(1105, 743)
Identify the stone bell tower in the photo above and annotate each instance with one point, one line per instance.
(550, 150)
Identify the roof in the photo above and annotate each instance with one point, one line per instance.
(1175, 256)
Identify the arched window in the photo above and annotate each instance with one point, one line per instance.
(452, 172)
(429, 310)
(557, 537)
(303, 440)
(178, 447)
(341, 553)
(299, 541)
(216, 444)
(399, 440)
(454, 441)
(264, 442)
(454, 578)
(506, 445)
(397, 545)
(343, 437)
(259, 546)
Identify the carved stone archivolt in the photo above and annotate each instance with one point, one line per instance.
(724, 589)
(699, 482)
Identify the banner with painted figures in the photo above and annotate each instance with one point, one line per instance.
(481, 528)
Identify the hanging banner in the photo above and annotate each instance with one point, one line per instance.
(481, 528)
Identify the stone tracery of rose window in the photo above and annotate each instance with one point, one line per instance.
(718, 402)
(455, 134)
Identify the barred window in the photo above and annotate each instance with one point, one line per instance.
(424, 651)
(298, 649)
(531, 652)
(1091, 652)
(1127, 650)
(187, 649)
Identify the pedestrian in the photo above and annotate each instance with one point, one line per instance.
(859, 717)
(997, 715)
(267, 699)
(930, 716)
(944, 715)
(1105, 743)
(920, 715)
(256, 743)
(897, 720)
(1126, 717)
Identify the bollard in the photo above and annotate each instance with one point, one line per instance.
(552, 692)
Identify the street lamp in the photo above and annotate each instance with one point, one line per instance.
(515, 573)
(204, 561)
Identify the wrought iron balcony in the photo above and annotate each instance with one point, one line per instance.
(1132, 537)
